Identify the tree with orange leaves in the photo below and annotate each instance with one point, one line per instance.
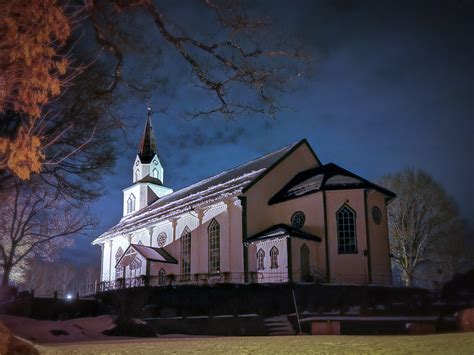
(32, 73)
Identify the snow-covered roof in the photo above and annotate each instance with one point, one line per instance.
(327, 177)
(213, 189)
(281, 231)
(149, 253)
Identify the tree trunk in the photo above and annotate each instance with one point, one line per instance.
(408, 276)
(6, 275)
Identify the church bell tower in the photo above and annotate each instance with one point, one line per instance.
(147, 173)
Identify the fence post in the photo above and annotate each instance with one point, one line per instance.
(296, 309)
(55, 295)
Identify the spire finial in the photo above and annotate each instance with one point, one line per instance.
(148, 104)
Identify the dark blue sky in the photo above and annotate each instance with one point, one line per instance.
(392, 87)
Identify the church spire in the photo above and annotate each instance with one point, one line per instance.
(147, 148)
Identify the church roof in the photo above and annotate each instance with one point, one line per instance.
(326, 177)
(149, 253)
(279, 231)
(213, 189)
(147, 148)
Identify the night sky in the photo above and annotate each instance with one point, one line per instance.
(392, 87)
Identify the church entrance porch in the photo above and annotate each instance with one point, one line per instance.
(282, 254)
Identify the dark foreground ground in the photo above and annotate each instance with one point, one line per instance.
(454, 343)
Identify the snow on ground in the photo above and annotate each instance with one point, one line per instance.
(73, 330)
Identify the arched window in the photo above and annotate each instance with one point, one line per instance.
(346, 235)
(304, 261)
(155, 173)
(260, 259)
(118, 268)
(186, 254)
(137, 174)
(162, 277)
(161, 240)
(135, 267)
(131, 203)
(213, 232)
(274, 257)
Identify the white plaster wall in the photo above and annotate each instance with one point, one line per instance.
(160, 190)
(229, 217)
(142, 271)
(269, 275)
(108, 260)
(136, 191)
(147, 169)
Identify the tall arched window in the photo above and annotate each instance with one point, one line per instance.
(214, 231)
(274, 257)
(186, 254)
(162, 277)
(260, 259)
(137, 174)
(118, 268)
(155, 173)
(346, 235)
(131, 203)
(304, 261)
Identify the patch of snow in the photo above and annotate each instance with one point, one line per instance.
(79, 329)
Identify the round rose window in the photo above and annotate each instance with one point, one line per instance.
(376, 214)
(297, 220)
(161, 240)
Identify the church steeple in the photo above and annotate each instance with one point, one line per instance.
(147, 173)
(147, 164)
(147, 148)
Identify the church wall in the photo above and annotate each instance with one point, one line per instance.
(314, 263)
(229, 219)
(259, 215)
(155, 268)
(379, 240)
(108, 261)
(235, 251)
(269, 275)
(350, 268)
(313, 209)
(162, 227)
(136, 273)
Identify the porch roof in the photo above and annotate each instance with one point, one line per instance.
(279, 231)
(150, 253)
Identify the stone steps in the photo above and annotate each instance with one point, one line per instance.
(279, 325)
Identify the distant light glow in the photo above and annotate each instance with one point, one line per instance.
(69, 296)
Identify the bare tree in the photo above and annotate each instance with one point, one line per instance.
(421, 219)
(242, 55)
(35, 219)
(45, 278)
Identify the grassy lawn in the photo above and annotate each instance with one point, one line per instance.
(461, 343)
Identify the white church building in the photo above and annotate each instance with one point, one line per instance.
(281, 217)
